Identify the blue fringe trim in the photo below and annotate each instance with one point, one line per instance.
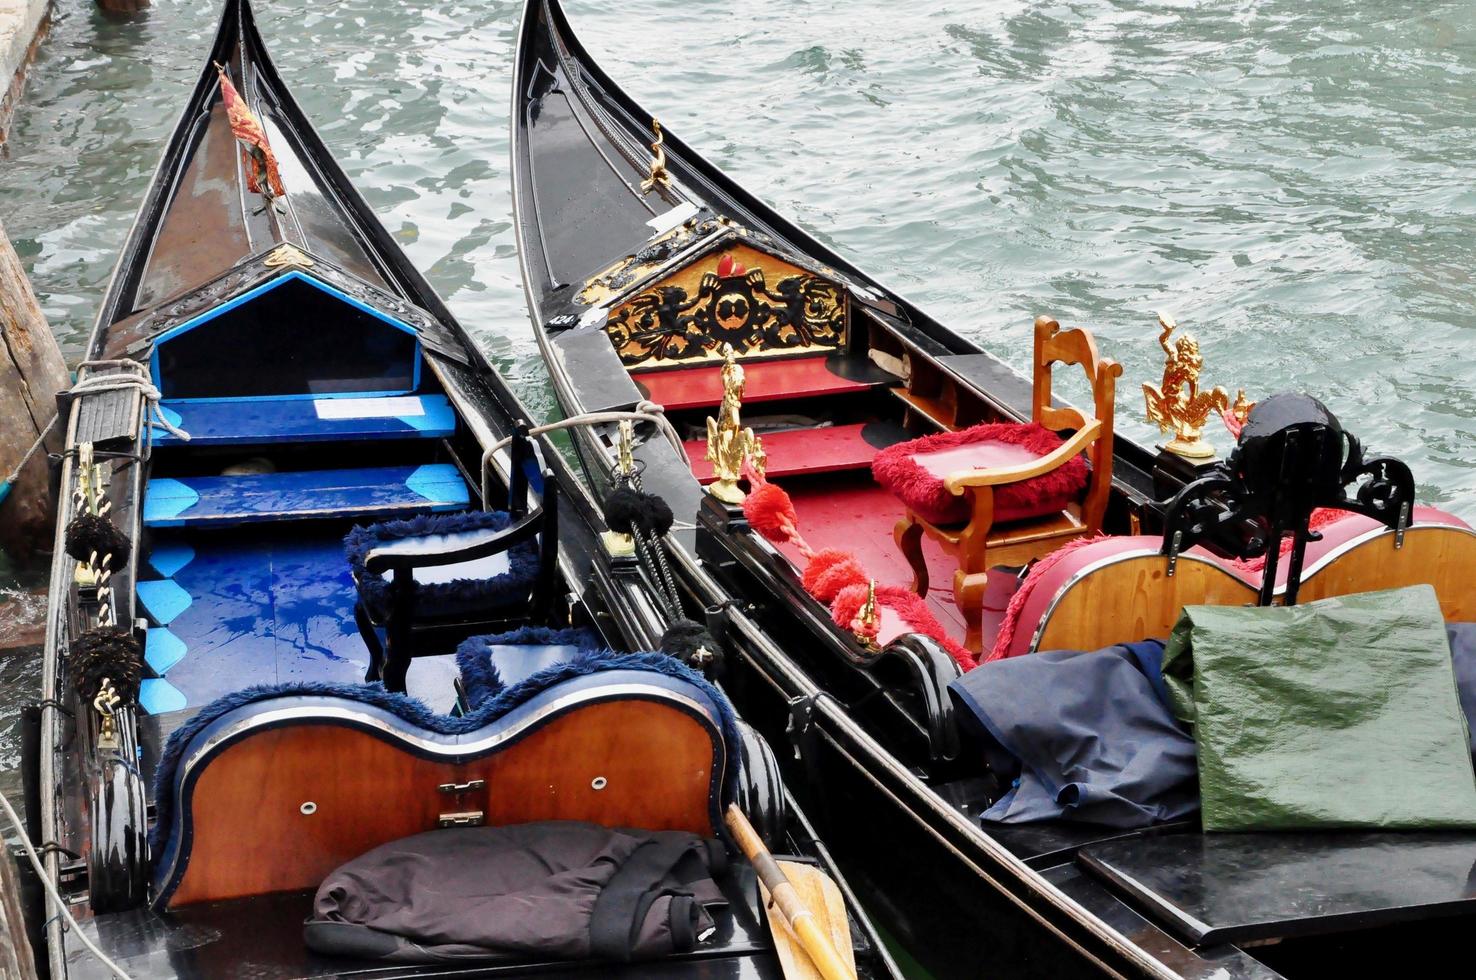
(415, 712)
(474, 661)
(459, 594)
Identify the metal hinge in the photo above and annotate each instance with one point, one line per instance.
(467, 818)
(465, 787)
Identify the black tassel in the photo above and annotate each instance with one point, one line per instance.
(108, 651)
(626, 509)
(90, 535)
(690, 643)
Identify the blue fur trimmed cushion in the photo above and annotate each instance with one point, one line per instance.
(445, 590)
(481, 679)
(414, 711)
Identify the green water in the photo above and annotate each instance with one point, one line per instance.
(1291, 179)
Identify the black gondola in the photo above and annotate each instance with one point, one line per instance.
(653, 279)
(269, 374)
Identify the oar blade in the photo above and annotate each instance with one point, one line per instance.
(823, 897)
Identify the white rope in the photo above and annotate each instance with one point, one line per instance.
(15, 473)
(134, 379)
(50, 886)
(646, 411)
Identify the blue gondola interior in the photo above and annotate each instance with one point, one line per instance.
(308, 412)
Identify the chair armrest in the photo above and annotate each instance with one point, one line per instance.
(402, 555)
(958, 482)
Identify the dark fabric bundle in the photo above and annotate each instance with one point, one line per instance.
(89, 535)
(553, 890)
(626, 509)
(1085, 736)
(107, 651)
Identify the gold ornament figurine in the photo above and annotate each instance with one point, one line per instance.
(729, 444)
(1178, 406)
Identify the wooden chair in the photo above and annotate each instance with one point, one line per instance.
(980, 543)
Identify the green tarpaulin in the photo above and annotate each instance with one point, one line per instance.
(1340, 713)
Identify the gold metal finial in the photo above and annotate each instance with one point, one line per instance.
(288, 254)
(627, 448)
(104, 703)
(728, 442)
(1178, 406)
(868, 618)
(658, 174)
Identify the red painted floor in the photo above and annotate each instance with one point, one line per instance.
(795, 451)
(702, 387)
(851, 513)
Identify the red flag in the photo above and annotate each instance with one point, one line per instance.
(260, 161)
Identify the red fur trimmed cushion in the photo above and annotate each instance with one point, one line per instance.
(920, 486)
(901, 611)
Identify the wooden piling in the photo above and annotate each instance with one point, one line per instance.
(31, 373)
(16, 959)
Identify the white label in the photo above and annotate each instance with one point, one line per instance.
(663, 223)
(368, 408)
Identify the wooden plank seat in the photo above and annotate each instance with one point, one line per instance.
(796, 452)
(270, 789)
(249, 421)
(380, 491)
(764, 381)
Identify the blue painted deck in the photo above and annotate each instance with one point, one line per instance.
(255, 421)
(237, 611)
(376, 492)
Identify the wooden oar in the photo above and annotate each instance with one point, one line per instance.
(818, 944)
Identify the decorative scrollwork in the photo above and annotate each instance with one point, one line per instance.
(733, 305)
(1177, 405)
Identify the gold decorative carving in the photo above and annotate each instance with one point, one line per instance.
(612, 279)
(288, 255)
(868, 619)
(658, 174)
(1238, 413)
(729, 444)
(1178, 406)
(725, 297)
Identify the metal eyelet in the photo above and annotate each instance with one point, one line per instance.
(598, 783)
(308, 809)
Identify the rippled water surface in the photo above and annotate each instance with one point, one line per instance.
(1292, 179)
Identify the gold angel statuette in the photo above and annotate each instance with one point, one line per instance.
(728, 442)
(1178, 406)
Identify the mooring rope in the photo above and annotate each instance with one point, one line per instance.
(134, 378)
(646, 411)
(50, 886)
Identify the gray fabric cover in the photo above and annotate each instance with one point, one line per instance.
(1087, 735)
(526, 892)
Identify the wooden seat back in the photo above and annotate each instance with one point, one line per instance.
(1053, 346)
(273, 795)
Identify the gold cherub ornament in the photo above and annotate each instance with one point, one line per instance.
(729, 444)
(1178, 406)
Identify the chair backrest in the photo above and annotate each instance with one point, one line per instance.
(1054, 345)
(270, 790)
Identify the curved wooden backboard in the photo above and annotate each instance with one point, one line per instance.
(1134, 598)
(1441, 556)
(281, 807)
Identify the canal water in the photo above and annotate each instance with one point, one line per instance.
(1292, 179)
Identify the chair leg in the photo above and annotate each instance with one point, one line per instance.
(908, 535)
(371, 641)
(968, 596)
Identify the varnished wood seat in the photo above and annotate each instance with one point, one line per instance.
(982, 541)
(270, 790)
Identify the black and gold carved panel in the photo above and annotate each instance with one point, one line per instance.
(740, 296)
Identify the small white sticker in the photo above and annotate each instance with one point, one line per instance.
(369, 408)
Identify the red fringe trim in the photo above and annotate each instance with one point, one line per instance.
(1011, 621)
(830, 571)
(908, 606)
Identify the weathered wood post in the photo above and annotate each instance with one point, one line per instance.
(31, 373)
(16, 960)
